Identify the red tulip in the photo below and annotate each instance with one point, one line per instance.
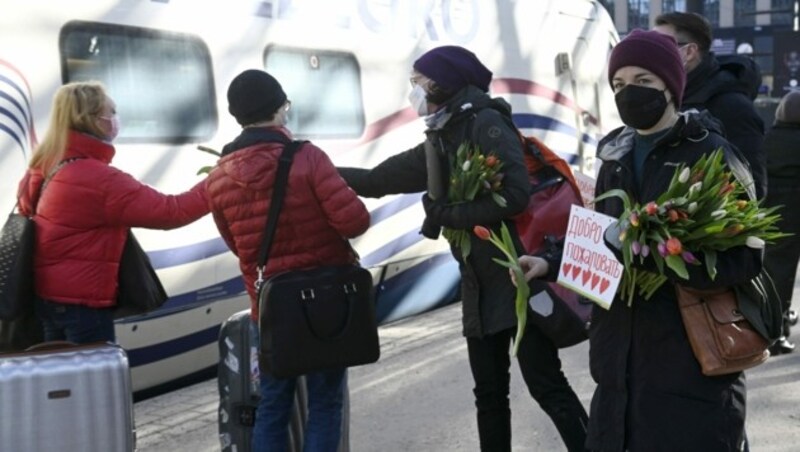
(673, 215)
(482, 232)
(674, 246)
(491, 161)
(651, 208)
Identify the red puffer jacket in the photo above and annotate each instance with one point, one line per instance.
(320, 212)
(83, 217)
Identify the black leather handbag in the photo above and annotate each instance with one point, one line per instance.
(140, 290)
(16, 257)
(16, 266)
(316, 319)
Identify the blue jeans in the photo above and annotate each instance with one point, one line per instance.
(75, 323)
(324, 424)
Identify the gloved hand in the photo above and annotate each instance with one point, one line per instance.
(430, 227)
(436, 211)
(612, 241)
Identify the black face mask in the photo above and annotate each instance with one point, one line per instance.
(641, 107)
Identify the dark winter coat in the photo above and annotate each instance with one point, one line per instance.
(727, 91)
(651, 395)
(318, 215)
(486, 290)
(782, 148)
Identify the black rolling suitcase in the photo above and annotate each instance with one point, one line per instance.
(239, 391)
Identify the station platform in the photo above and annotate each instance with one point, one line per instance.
(418, 397)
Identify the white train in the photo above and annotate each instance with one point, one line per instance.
(345, 66)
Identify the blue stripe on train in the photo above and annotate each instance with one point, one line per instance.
(209, 248)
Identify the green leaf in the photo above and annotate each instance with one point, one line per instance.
(505, 264)
(205, 170)
(509, 244)
(466, 246)
(209, 150)
(621, 194)
(711, 263)
(677, 265)
(658, 260)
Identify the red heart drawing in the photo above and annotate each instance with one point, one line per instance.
(595, 280)
(586, 275)
(575, 272)
(604, 285)
(566, 268)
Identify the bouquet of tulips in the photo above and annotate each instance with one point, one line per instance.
(472, 176)
(701, 213)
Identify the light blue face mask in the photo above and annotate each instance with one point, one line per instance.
(417, 98)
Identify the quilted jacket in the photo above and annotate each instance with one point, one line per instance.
(319, 214)
(82, 220)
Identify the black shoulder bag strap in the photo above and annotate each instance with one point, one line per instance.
(278, 194)
(49, 176)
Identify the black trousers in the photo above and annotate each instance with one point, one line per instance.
(489, 359)
(781, 257)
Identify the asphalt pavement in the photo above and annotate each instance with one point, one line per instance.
(418, 397)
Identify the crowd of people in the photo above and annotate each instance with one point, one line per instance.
(677, 101)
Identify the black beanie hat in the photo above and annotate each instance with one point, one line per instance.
(453, 68)
(254, 96)
(654, 51)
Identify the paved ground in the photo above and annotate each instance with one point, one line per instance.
(418, 398)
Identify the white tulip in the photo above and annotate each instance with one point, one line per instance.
(684, 176)
(717, 214)
(755, 242)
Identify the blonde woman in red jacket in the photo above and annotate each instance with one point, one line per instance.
(84, 214)
(319, 214)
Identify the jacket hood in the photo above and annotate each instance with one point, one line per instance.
(722, 74)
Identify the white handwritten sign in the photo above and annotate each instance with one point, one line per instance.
(588, 266)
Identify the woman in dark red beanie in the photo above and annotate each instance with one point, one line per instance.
(449, 90)
(651, 395)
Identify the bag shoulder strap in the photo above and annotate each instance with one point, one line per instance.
(47, 179)
(278, 194)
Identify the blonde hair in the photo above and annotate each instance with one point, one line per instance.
(76, 106)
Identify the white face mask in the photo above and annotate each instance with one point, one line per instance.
(114, 122)
(418, 100)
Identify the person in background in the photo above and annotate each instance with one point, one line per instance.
(449, 88)
(651, 394)
(320, 213)
(782, 149)
(84, 213)
(723, 85)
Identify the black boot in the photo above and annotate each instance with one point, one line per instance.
(782, 346)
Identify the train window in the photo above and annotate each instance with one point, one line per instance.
(325, 90)
(162, 82)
